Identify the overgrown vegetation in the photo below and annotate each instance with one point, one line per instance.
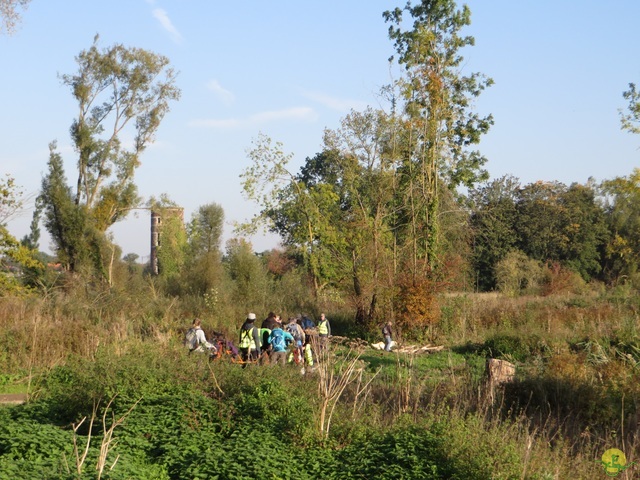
(176, 415)
(374, 229)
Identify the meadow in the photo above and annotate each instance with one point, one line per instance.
(114, 395)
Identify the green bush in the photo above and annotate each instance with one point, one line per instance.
(507, 346)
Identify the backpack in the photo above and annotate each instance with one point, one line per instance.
(277, 341)
(294, 331)
(191, 339)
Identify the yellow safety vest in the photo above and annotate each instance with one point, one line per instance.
(322, 328)
(246, 339)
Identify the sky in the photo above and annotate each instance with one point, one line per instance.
(289, 69)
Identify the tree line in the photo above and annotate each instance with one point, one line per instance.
(395, 208)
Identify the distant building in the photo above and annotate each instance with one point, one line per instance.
(157, 218)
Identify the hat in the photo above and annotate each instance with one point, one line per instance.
(251, 316)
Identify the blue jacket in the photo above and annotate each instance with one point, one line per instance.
(287, 337)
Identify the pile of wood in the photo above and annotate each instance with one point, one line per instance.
(410, 349)
(358, 343)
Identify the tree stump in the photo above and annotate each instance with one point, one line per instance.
(497, 373)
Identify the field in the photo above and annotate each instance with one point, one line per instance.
(115, 397)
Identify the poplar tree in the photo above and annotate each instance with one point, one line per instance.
(439, 125)
(120, 92)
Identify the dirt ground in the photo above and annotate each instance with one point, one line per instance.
(13, 398)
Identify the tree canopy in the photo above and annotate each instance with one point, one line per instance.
(119, 91)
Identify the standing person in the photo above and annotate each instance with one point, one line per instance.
(268, 324)
(279, 341)
(324, 331)
(196, 340)
(270, 321)
(298, 336)
(249, 343)
(387, 333)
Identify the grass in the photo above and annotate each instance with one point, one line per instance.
(575, 393)
(13, 383)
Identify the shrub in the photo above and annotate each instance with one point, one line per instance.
(517, 273)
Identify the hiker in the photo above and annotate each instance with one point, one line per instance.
(270, 321)
(324, 332)
(279, 341)
(387, 333)
(299, 339)
(306, 323)
(265, 346)
(196, 340)
(249, 344)
(225, 346)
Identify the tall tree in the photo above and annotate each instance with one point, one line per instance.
(119, 91)
(203, 259)
(65, 221)
(286, 207)
(335, 210)
(10, 14)
(205, 229)
(116, 88)
(438, 123)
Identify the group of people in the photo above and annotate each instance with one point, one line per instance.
(273, 342)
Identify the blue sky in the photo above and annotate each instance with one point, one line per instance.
(289, 69)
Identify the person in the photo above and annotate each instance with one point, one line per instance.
(387, 333)
(306, 323)
(225, 346)
(279, 341)
(269, 322)
(249, 343)
(299, 338)
(324, 332)
(196, 340)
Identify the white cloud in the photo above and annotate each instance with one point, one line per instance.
(334, 103)
(165, 21)
(227, 97)
(306, 114)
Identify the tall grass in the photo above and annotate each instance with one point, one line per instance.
(576, 392)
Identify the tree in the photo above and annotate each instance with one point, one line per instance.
(116, 88)
(586, 229)
(493, 223)
(13, 254)
(560, 224)
(205, 229)
(334, 210)
(622, 207)
(248, 274)
(172, 244)
(119, 91)
(203, 259)
(630, 120)
(66, 222)
(10, 14)
(10, 198)
(286, 206)
(438, 126)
